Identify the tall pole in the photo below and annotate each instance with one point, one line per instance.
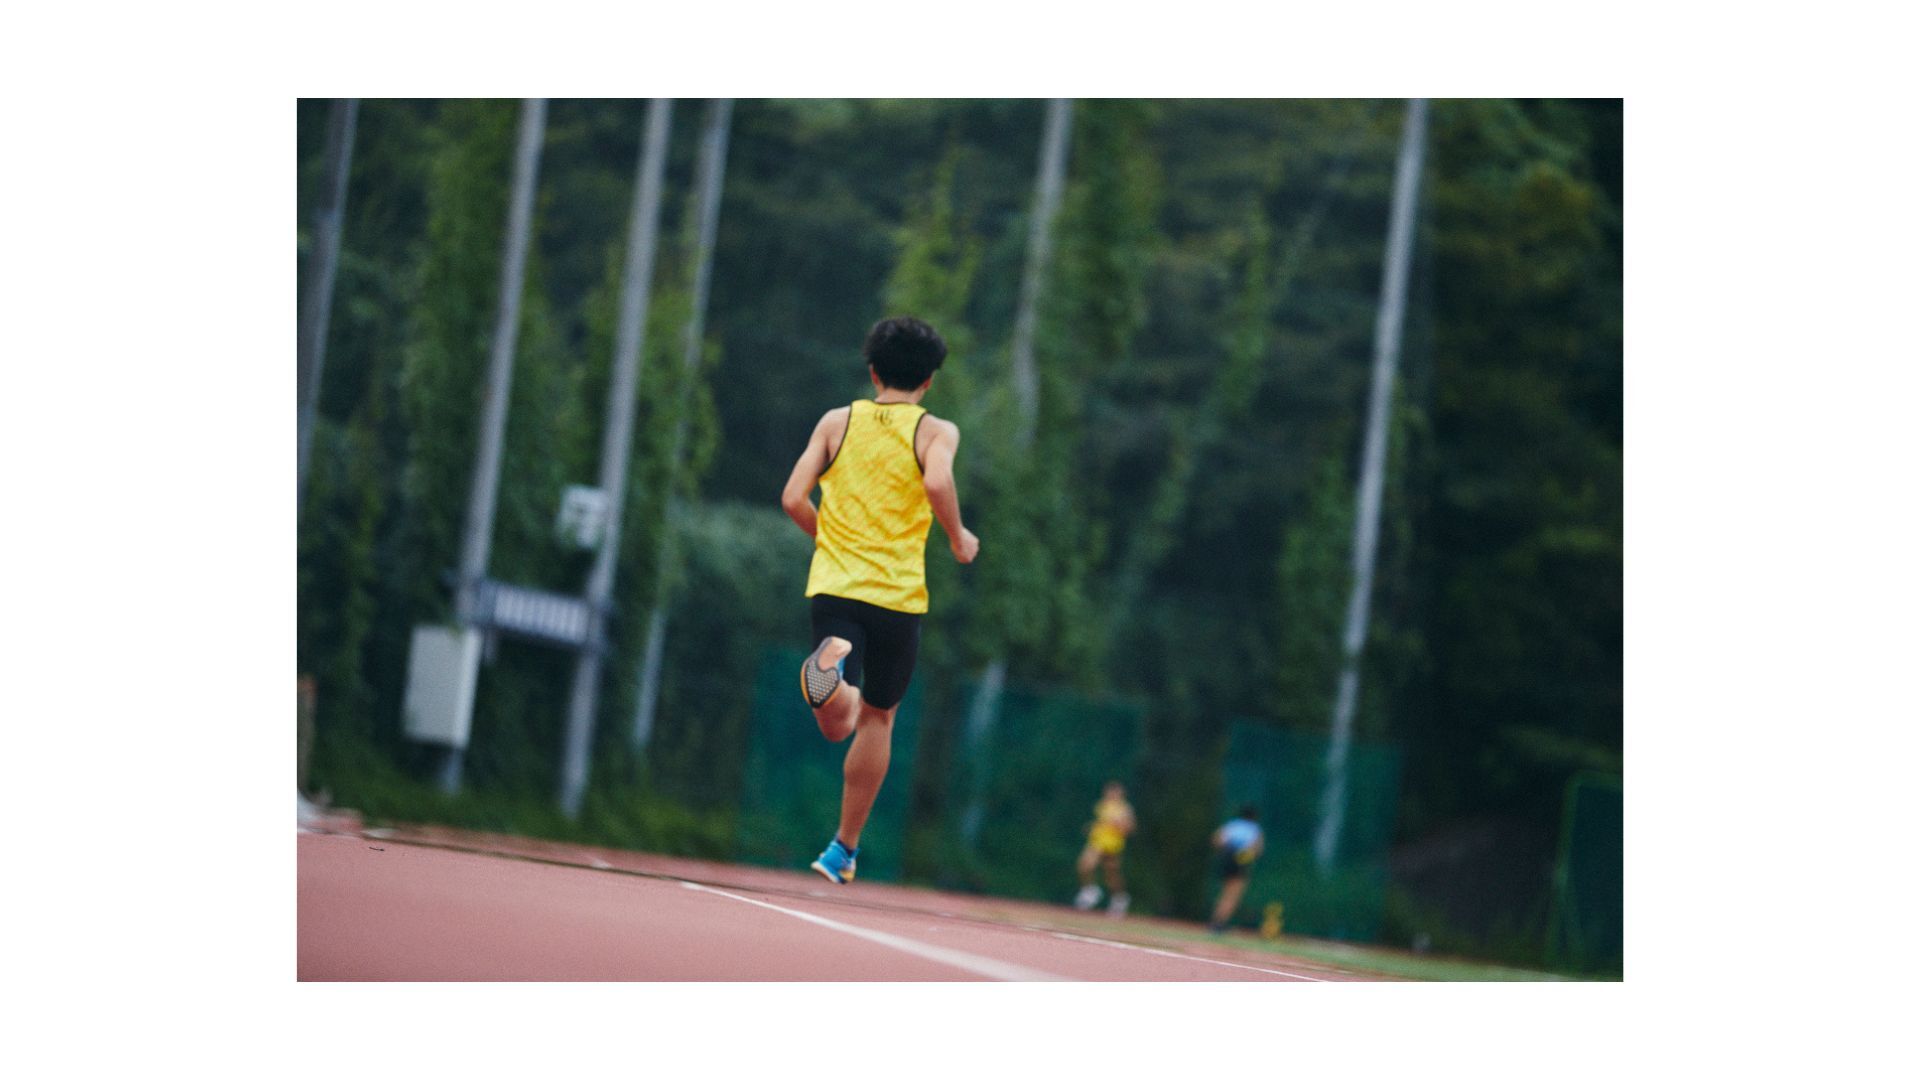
(478, 538)
(316, 306)
(1047, 186)
(1373, 472)
(708, 183)
(616, 447)
(1046, 204)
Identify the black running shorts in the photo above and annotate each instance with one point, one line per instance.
(1231, 867)
(885, 645)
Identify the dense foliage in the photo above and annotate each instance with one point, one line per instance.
(1177, 535)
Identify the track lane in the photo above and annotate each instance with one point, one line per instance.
(766, 882)
(515, 909)
(984, 967)
(420, 914)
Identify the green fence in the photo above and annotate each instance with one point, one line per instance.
(1585, 930)
(1019, 796)
(790, 797)
(1021, 793)
(1027, 785)
(1283, 773)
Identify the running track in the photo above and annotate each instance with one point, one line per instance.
(436, 904)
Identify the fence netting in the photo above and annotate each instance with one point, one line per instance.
(1283, 774)
(790, 795)
(1586, 930)
(1025, 784)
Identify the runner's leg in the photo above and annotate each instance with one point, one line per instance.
(1233, 885)
(839, 636)
(890, 644)
(838, 716)
(865, 769)
(1230, 892)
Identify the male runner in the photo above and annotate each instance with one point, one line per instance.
(1106, 838)
(885, 470)
(1239, 842)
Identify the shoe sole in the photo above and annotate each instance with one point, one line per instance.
(805, 693)
(828, 874)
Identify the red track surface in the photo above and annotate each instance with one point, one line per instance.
(429, 904)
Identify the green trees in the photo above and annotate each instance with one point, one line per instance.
(933, 278)
(1178, 532)
(391, 490)
(1526, 517)
(1051, 525)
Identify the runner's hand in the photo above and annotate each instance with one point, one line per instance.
(966, 547)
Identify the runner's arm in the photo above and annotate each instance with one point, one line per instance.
(797, 499)
(941, 492)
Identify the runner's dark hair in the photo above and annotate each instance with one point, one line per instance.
(904, 351)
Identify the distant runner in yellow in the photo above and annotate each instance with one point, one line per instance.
(1106, 838)
(885, 471)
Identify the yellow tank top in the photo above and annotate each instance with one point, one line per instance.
(1109, 817)
(871, 541)
(1111, 813)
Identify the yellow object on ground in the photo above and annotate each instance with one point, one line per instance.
(1270, 926)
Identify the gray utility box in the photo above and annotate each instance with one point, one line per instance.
(442, 670)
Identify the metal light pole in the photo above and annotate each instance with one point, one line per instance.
(709, 182)
(616, 447)
(1046, 204)
(478, 537)
(1048, 184)
(316, 307)
(1373, 471)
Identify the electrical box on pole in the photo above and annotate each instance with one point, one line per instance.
(615, 449)
(442, 669)
(582, 520)
(476, 542)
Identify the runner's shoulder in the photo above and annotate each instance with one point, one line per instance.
(938, 428)
(833, 421)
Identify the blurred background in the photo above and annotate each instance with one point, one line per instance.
(1278, 502)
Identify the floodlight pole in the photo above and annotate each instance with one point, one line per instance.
(478, 537)
(316, 307)
(616, 447)
(1046, 204)
(708, 184)
(1373, 471)
(1048, 184)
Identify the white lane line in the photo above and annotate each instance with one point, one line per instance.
(967, 962)
(1175, 955)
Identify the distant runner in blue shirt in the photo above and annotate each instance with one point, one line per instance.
(1239, 842)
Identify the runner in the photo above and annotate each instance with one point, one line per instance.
(1239, 842)
(885, 471)
(1106, 838)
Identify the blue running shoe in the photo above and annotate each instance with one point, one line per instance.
(836, 863)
